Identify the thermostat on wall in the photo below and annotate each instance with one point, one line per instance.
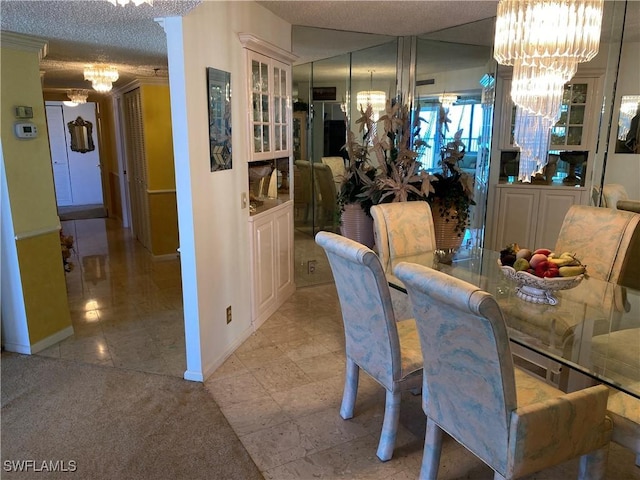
(26, 130)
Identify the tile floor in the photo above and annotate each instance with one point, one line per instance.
(126, 308)
(280, 390)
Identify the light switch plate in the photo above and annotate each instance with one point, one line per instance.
(243, 199)
(24, 112)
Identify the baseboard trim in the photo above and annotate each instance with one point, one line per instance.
(41, 345)
(52, 340)
(17, 348)
(212, 367)
(165, 257)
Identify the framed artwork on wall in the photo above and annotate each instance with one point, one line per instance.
(219, 101)
(324, 93)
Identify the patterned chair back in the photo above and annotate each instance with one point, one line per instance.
(402, 228)
(469, 384)
(371, 336)
(600, 238)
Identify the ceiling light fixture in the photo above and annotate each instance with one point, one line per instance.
(544, 40)
(376, 99)
(77, 96)
(101, 77)
(448, 99)
(126, 2)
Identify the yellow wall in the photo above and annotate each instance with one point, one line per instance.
(27, 162)
(43, 285)
(163, 217)
(161, 181)
(158, 141)
(31, 196)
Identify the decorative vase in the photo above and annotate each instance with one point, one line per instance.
(357, 225)
(444, 223)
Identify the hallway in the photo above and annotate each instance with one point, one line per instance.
(126, 307)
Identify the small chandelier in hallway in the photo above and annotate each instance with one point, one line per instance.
(101, 77)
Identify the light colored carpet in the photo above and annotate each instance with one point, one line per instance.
(114, 423)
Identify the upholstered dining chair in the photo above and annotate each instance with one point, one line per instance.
(387, 350)
(600, 238)
(512, 421)
(402, 228)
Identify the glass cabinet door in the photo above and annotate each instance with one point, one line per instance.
(260, 103)
(569, 131)
(280, 103)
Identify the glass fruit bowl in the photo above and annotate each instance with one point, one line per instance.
(537, 289)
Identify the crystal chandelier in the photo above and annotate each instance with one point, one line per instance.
(544, 40)
(126, 2)
(377, 100)
(76, 97)
(447, 99)
(101, 77)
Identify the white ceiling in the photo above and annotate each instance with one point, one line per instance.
(95, 31)
(92, 31)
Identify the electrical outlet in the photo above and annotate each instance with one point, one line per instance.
(229, 314)
(311, 266)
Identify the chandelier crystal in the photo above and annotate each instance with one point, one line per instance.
(77, 95)
(101, 77)
(377, 100)
(448, 99)
(544, 40)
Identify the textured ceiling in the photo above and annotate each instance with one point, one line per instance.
(95, 31)
(92, 31)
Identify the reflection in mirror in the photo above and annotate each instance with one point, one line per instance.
(219, 100)
(455, 70)
(628, 140)
(81, 132)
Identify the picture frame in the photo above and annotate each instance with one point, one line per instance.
(219, 105)
(324, 93)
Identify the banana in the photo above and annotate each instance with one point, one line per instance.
(562, 261)
(571, 271)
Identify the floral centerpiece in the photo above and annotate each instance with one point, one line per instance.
(398, 175)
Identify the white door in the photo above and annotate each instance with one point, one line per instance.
(84, 168)
(59, 160)
(77, 175)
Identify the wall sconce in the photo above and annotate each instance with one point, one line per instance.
(544, 40)
(76, 97)
(101, 77)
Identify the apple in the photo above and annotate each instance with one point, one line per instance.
(543, 251)
(536, 258)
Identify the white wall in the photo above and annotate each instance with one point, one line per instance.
(214, 240)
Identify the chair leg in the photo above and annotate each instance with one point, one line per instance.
(389, 426)
(350, 390)
(432, 451)
(593, 466)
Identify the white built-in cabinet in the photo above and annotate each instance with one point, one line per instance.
(531, 216)
(270, 165)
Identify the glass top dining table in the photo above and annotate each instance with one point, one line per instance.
(593, 329)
